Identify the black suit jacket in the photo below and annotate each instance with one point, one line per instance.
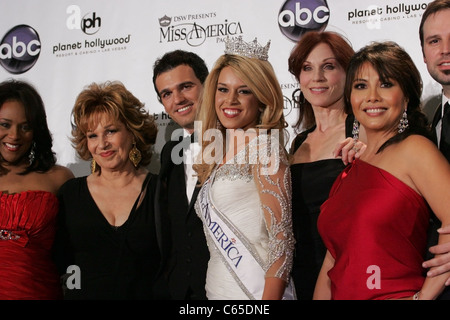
(434, 221)
(437, 117)
(183, 242)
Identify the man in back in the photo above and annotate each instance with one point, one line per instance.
(178, 78)
(434, 33)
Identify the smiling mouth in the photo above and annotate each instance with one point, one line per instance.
(106, 154)
(374, 110)
(231, 113)
(318, 90)
(184, 109)
(12, 147)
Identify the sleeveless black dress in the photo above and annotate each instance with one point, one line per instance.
(311, 184)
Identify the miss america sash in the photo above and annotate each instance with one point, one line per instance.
(241, 260)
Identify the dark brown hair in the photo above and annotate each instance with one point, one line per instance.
(342, 50)
(432, 8)
(392, 62)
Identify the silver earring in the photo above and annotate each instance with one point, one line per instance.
(403, 125)
(32, 154)
(355, 131)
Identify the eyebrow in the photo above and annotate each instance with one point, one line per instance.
(240, 87)
(105, 127)
(181, 84)
(324, 60)
(433, 36)
(9, 120)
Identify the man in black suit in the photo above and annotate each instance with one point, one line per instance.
(434, 33)
(178, 78)
(435, 40)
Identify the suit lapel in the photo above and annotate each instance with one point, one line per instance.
(436, 118)
(193, 199)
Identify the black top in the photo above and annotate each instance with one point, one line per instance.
(311, 184)
(114, 262)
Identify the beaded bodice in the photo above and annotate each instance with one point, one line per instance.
(253, 190)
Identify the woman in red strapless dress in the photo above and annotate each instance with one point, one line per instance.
(29, 180)
(375, 222)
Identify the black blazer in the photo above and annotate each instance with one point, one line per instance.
(437, 117)
(434, 221)
(183, 241)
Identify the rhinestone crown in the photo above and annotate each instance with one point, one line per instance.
(247, 49)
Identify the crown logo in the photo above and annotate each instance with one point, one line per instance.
(247, 49)
(165, 21)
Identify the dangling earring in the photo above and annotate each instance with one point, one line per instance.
(260, 117)
(32, 154)
(135, 155)
(93, 165)
(355, 131)
(403, 125)
(219, 125)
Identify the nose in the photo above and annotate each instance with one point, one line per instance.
(446, 46)
(103, 142)
(178, 96)
(372, 94)
(14, 132)
(232, 97)
(318, 74)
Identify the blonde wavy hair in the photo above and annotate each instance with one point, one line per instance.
(260, 77)
(113, 99)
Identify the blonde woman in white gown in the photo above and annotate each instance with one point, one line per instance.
(245, 200)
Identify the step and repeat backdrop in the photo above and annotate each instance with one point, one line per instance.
(60, 46)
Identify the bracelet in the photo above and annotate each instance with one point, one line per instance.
(416, 295)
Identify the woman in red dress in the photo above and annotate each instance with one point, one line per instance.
(29, 180)
(375, 222)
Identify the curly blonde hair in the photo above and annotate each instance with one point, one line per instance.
(260, 77)
(113, 99)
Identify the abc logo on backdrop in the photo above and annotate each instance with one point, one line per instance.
(296, 17)
(19, 49)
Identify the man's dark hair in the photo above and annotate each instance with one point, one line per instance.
(173, 59)
(432, 8)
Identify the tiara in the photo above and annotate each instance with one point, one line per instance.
(247, 49)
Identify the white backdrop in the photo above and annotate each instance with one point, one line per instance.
(70, 44)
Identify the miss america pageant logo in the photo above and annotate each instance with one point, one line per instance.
(193, 33)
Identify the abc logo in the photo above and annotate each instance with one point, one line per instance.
(19, 49)
(298, 17)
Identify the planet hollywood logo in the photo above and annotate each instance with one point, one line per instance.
(298, 17)
(20, 49)
(193, 33)
(89, 23)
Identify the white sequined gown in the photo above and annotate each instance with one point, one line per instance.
(259, 205)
